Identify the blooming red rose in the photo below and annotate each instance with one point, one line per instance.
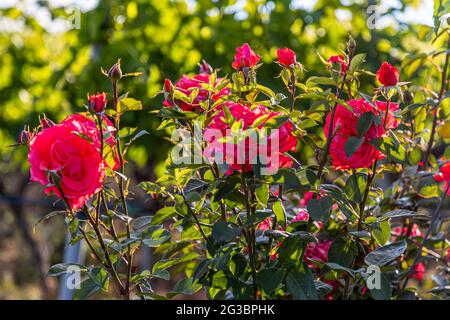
(345, 122)
(286, 57)
(444, 175)
(188, 84)
(74, 158)
(387, 75)
(235, 158)
(245, 57)
(97, 102)
(341, 60)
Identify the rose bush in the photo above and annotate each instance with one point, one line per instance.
(321, 229)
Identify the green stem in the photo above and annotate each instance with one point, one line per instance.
(362, 205)
(122, 186)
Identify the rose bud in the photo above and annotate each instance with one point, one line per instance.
(115, 72)
(387, 75)
(25, 136)
(245, 58)
(351, 46)
(168, 86)
(46, 122)
(97, 103)
(286, 57)
(205, 67)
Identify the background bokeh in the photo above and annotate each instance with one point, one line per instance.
(48, 67)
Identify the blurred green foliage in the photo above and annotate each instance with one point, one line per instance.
(42, 72)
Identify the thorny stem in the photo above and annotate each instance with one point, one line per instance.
(293, 81)
(362, 205)
(251, 239)
(434, 218)
(108, 265)
(436, 108)
(122, 186)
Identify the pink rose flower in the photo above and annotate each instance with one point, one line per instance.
(245, 58)
(345, 122)
(444, 175)
(235, 158)
(387, 75)
(75, 159)
(286, 57)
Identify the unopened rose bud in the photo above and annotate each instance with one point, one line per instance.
(115, 72)
(167, 86)
(407, 97)
(351, 46)
(97, 103)
(46, 122)
(25, 136)
(205, 67)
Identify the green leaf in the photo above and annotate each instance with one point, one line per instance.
(356, 63)
(163, 214)
(440, 8)
(399, 213)
(280, 213)
(62, 268)
(319, 209)
(355, 186)
(352, 144)
(364, 123)
(320, 80)
(87, 288)
(262, 194)
(343, 251)
(338, 267)
(154, 236)
(128, 104)
(381, 232)
(167, 263)
(188, 286)
(385, 290)
(301, 285)
(270, 279)
(383, 255)
(256, 218)
(223, 232)
(100, 277)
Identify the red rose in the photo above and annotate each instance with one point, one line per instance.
(419, 271)
(387, 75)
(245, 57)
(97, 103)
(444, 175)
(75, 159)
(286, 57)
(233, 156)
(341, 61)
(345, 122)
(187, 84)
